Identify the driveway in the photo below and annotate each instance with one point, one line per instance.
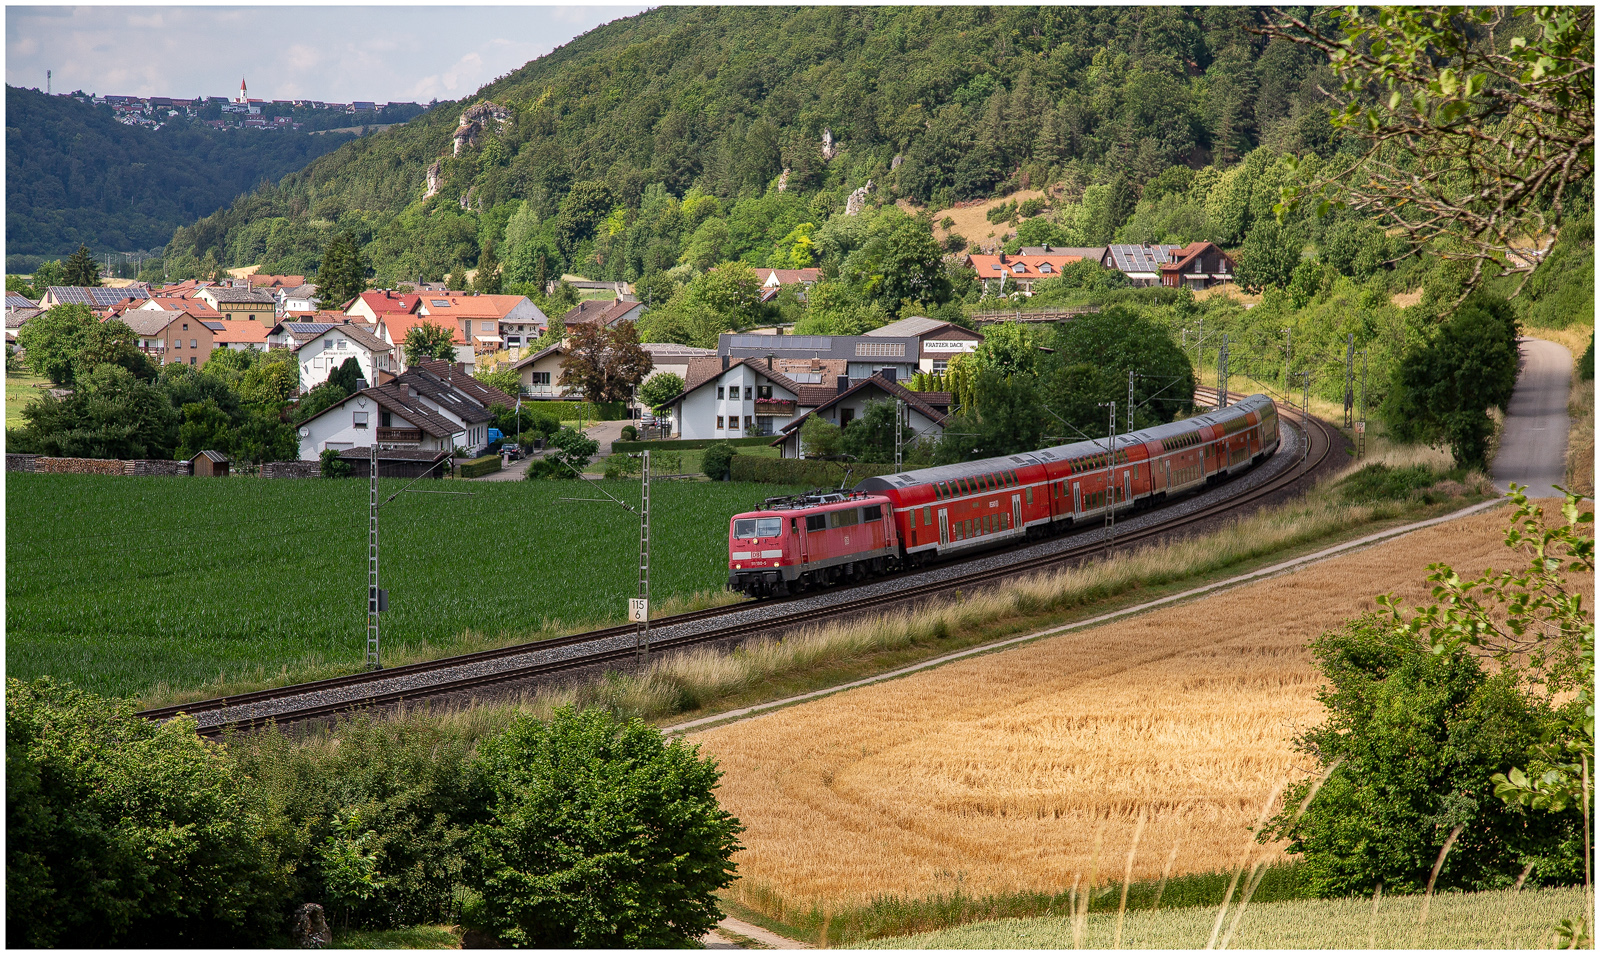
(1533, 446)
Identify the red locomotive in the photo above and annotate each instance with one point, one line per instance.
(909, 519)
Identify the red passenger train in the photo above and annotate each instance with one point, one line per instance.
(912, 518)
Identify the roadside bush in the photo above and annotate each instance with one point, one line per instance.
(374, 824)
(125, 833)
(599, 835)
(1381, 482)
(714, 462)
(333, 466)
(630, 433)
(1586, 363)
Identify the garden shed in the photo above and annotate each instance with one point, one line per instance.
(209, 464)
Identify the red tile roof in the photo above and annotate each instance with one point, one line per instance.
(1020, 266)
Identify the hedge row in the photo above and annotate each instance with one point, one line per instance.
(633, 447)
(569, 410)
(746, 467)
(478, 467)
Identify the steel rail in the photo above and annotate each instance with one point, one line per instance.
(1318, 446)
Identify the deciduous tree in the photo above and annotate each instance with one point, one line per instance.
(604, 364)
(429, 342)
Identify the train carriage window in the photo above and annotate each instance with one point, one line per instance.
(873, 513)
(846, 518)
(1030, 496)
(816, 522)
(927, 517)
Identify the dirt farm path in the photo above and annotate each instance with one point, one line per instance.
(1023, 769)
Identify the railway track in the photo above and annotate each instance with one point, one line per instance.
(1320, 442)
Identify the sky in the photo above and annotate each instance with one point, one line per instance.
(330, 53)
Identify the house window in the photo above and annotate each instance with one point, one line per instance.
(749, 422)
(193, 343)
(763, 391)
(720, 392)
(385, 420)
(185, 326)
(733, 422)
(749, 392)
(192, 361)
(359, 419)
(719, 423)
(541, 378)
(940, 365)
(1019, 268)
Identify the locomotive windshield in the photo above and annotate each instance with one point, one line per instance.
(752, 527)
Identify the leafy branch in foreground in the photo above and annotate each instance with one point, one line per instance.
(1476, 120)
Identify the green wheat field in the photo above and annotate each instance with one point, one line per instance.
(125, 584)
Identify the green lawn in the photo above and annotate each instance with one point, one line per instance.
(21, 389)
(1503, 919)
(123, 583)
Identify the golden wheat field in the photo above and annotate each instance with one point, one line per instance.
(1027, 769)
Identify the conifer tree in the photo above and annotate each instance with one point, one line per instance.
(343, 274)
(81, 268)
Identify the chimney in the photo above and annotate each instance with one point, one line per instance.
(844, 384)
(769, 362)
(361, 384)
(888, 373)
(724, 362)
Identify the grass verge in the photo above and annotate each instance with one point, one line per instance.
(1503, 919)
(21, 389)
(890, 916)
(411, 937)
(1580, 437)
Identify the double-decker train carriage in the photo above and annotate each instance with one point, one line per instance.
(911, 518)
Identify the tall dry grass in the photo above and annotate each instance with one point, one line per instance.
(991, 775)
(1580, 437)
(1503, 919)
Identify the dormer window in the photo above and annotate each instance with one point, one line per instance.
(1019, 268)
(1045, 269)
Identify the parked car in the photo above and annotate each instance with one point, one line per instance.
(514, 451)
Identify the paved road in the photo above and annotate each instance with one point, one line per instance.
(1533, 447)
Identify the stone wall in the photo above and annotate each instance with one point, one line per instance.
(292, 469)
(20, 462)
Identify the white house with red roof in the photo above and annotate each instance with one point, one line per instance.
(1020, 272)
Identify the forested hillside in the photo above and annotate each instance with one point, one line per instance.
(74, 175)
(932, 104)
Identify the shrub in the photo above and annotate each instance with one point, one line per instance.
(1586, 363)
(599, 835)
(1381, 482)
(630, 433)
(478, 467)
(678, 444)
(620, 466)
(122, 832)
(376, 824)
(334, 466)
(716, 459)
(798, 471)
(1032, 207)
(820, 438)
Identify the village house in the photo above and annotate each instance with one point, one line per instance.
(1197, 265)
(540, 373)
(603, 313)
(734, 398)
(926, 411)
(479, 318)
(861, 356)
(1140, 263)
(242, 303)
(938, 342)
(292, 335)
(171, 303)
(321, 354)
(772, 280)
(370, 306)
(292, 299)
(392, 328)
(1005, 272)
(171, 337)
(238, 335)
(426, 408)
(99, 300)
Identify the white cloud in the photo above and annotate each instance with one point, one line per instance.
(371, 52)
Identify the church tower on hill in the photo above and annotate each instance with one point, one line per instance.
(244, 93)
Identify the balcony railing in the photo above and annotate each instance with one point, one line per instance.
(399, 434)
